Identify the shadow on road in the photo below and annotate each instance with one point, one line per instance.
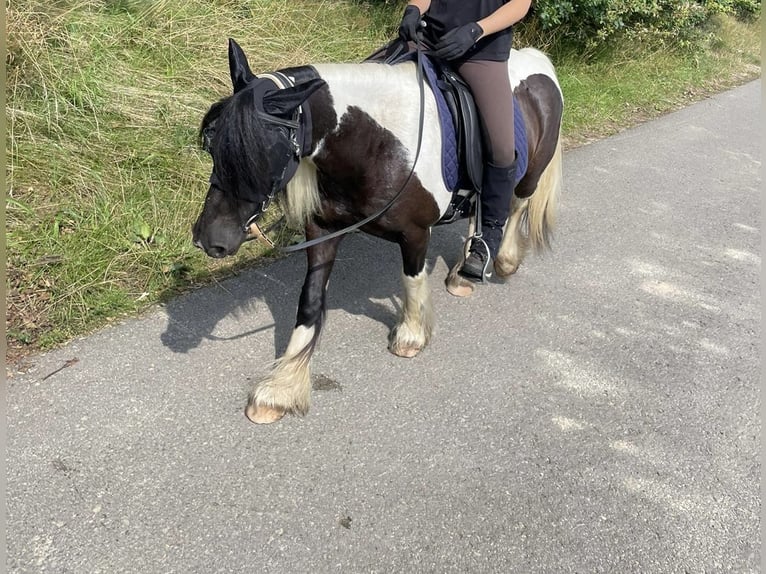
(366, 280)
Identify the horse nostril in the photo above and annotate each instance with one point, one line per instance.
(216, 251)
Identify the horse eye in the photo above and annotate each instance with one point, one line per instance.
(207, 138)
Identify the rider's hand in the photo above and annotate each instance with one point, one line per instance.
(408, 29)
(457, 42)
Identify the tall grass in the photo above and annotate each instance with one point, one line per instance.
(103, 103)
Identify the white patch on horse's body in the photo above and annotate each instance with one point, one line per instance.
(390, 95)
(528, 61)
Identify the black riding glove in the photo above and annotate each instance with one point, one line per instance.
(457, 42)
(408, 29)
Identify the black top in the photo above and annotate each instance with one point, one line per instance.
(445, 15)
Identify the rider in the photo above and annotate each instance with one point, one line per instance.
(475, 37)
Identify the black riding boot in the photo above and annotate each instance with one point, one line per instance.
(496, 193)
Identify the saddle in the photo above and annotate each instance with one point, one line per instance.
(463, 142)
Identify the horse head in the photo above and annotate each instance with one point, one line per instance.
(253, 138)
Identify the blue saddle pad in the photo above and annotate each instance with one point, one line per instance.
(450, 166)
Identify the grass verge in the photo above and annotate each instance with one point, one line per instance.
(103, 103)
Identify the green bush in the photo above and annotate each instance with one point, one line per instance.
(593, 22)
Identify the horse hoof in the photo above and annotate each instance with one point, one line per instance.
(460, 290)
(263, 415)
(503, 271)
(405, 352)
(460, 287)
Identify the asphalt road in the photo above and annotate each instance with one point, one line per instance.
(598, 413)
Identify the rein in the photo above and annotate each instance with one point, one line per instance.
(373, 217)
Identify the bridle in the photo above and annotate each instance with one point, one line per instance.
(293, 151)
(279, 181)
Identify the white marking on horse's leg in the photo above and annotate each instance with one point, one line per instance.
(458, 285)
(514, 244)
(299, 340)
(413, 331)
(287, 388)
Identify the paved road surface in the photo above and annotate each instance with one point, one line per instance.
(599, 413)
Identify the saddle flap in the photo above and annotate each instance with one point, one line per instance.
(471, 142)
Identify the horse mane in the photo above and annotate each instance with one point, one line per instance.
(233, 135)
(301, 200)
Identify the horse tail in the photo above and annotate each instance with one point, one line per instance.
(543, 204)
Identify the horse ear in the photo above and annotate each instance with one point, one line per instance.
(283, 102)
(241, 75)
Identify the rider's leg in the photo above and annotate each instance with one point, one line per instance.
(491, 87)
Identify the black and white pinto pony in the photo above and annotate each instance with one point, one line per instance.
(336, 143)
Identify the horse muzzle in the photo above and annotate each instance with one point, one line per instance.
(218, 245)
(216, 251)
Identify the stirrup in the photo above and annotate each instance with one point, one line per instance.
(484, 277)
